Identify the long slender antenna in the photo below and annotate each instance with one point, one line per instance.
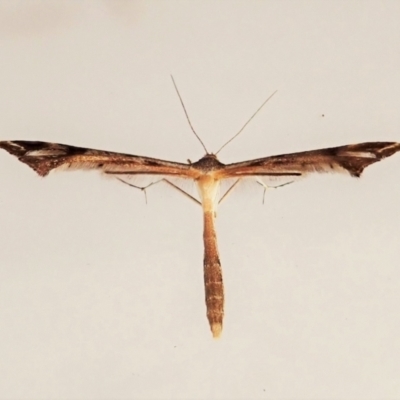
(187, 116)
(244, 126)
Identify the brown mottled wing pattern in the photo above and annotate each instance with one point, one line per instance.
(351, 159)
(44, 157)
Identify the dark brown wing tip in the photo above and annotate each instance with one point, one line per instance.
(13, 148)
(370, 153)
(379, 149)
(19, 148)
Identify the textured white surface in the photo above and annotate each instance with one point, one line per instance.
(102, 296)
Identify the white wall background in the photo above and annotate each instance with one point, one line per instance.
(102, 296)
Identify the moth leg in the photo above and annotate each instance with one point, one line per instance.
(143, 188)
(270, 187)
(182, 191)
(228, 191)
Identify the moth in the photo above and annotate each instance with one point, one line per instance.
(207, 173)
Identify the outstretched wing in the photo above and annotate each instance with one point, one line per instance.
(44, 157)
(351, 159)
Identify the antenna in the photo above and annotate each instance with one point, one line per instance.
(244, 126)
(187, 116)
